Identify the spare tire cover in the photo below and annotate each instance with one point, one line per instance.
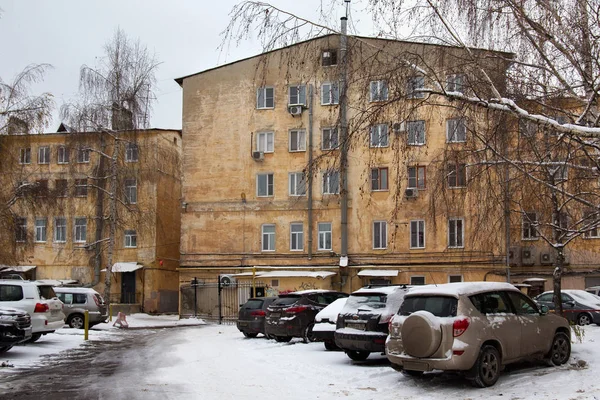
(421, 334)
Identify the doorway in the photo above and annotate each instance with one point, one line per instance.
(128, 287)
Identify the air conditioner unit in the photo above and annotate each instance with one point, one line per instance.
(295, 110)
(399, 127)
(411, 193)
(258, 155)
(514, 256)
(226, 280)
(547, 257)
(527, 255)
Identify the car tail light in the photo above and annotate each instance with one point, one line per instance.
(390, 323)
(258, 313)
(96, 301)
(41, 307)
(458, 352)
(460, 326)
(296, 310)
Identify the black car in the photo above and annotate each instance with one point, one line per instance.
(362, 325)
(251, 318)
(293, 314)
(15, 328)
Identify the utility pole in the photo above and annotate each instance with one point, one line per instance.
(344, 137)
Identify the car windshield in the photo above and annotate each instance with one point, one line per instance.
(585, 297)
(46, 292)
(253, 305)
(440, 306)
(286, 300)
(365, 301)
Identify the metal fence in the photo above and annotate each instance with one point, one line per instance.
(215, 302)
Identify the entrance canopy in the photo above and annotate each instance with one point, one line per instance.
(125, 267)
(378, 272)
(16, 268)
(288, 274)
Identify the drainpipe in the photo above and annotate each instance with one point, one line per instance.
(344, 138)
(310, 171)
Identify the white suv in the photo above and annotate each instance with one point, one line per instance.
(37, 299)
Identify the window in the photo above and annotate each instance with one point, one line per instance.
(559, 172)
(329, 57)
(60, 229)
(330, 93)
(41, 188)
(80, 230)
(40, 229)
(11, 293)
(131, 191)
(44, 155)
(324, 229)
(329, 139)
(63, 155)
(455, 83)
(491, 303)
(563, 221)
(416, 177)
(527, 128)
(529, 223)
(81, 189)
(379, 179)
(131, 152)
(21, 229)
(264, 142)
(268, 237)
(296, 237)
(297, 95)
(379, 235)
(297, 184)
(417, 234)
(25, 156)
(414, 86)
(378, 91)
(456, 130)
(331, 182)
(416, 132)
(591, 219)
(522, 304)
(456, 232)
(83, 155)
(455, 278)
(130, 239)
(60, 187)
(417, 280)
(297, 140)
(379, 136)
(264, 185)
(457, 175)
(265, 97)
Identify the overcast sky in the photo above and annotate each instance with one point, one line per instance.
(184, 34)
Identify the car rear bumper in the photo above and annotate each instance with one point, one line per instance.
(454, 362)
(288, 327)
(351, 339)
(41, 323)
(324, 332)
(251, 326)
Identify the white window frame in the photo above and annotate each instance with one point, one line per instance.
(413, 83)
(379, 179)
(262, 97)
(456, 229)
(267, 238)
(455, 83)
(78, 185)
(296, 236)
(453, 174)
(297, 142)
(456, 130)
(80, 229)
(381, 228)
(269, 189)
(132, 152)
(331, 56)
(420, 230)
(44, 155)
(25, 156)
(63, 155)
(415, 135)
(265, 142)
(379, 136)
(41, 230)
(297, 184)
(300, 95)
(131, 191)
(83, 155)
(331, 133)
(528, 231)
(418, 276)
(130, 236)
(330, 93)
(450, 276)
(415, 184)
(329, 179)
(378, 91)
(592, 233)
(60, 230)
(325, 235)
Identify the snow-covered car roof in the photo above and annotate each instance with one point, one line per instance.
(460, 288)
(380, 289)
(311, 291)
(331, 311)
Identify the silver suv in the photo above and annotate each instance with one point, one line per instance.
(474, 328)
(76, 300)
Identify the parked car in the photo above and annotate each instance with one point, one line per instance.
(579, 306)
(362, 325)
(15, 328)
(474, 328)
(593, 290)
(325, 323)
(38, 300)
(251, 317)
(293, 314)
(78, 299)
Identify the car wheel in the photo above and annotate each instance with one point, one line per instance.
(357, 355)
(4, 349)
(584, 319)
(486, 370)
(307, 335)
(561, 349)
(330, 345)
(283, 339)
(76, 321)
(250, 335)
(35, 337)
(412, 373)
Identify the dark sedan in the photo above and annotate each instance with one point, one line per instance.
(251, 318)
(579, 306)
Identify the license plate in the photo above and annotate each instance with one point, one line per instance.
(356, 325)
(54, 312)
(415, 366)
(275, 315)
(242, 323)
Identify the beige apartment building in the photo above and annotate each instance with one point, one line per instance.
(62, 183)
(263, 193)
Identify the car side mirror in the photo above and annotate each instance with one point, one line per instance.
(544, 309)
(570, 303)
